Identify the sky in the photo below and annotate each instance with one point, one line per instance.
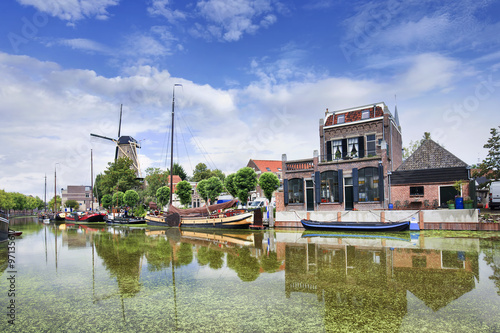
(256, 76)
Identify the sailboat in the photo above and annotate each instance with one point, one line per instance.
(213, 216)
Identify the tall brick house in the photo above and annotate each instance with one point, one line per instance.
(81, 194)
(426, 179)
(358, 147)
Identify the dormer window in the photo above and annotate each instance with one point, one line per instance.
(365, 114)
(340, 119)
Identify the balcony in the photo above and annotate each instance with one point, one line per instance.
(300, 165)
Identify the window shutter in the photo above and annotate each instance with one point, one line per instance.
(341, 186)
(361, 146)
(285, 190)
(355, 185)
(381, 182)
(344, 148)
(328, 150)
(317, 186)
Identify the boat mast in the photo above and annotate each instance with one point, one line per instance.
(91, 182)
(172, 145)
(55, 190)
(45, 195)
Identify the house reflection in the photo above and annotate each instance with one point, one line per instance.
(364, 283)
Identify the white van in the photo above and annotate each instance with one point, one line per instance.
(258, 202)
(494, 196)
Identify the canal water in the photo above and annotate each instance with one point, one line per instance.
(69, 278)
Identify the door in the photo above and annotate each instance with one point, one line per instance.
(310, 195)
(349, 194)
(446, 193)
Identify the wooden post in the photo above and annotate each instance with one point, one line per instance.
(421, 220)
(339, 217)
(382, 216)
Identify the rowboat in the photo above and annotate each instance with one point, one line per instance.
(356, 226)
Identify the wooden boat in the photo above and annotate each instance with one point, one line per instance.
(86, 218)
(356, 226)
(200, 217)
(125, 220)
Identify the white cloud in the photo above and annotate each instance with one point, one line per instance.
(72, 10)
(85, 45)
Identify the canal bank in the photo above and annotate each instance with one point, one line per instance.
(445, 219)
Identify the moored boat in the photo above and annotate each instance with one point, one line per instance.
(355, 226)
(86, 218)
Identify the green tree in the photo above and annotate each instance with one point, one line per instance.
(163, 195)
(213, 188)
(6, 200)
(73, 204)
(219, 174)
(98, 188)
(245, 181)
(183, 191)
(20, 201)
(201, 189)
(107, 201)
(50, 204)
(118, 199)
(119, 177)
(490, 166)
(201, 171)
(131, 198)
(230, 185)
(179, 171)
(269, 183)
(39, 203)
(155, 178)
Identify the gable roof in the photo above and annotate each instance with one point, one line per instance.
(262, 165)
(431, 155)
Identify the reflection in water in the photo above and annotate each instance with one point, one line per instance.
(140, 279)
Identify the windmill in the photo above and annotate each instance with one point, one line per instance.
(126, 146)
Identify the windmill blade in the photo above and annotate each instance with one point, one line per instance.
(103, 137)
(120, 123)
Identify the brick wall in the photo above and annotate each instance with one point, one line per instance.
(401, 199)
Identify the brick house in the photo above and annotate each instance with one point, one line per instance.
(261, 166)
(358, 147)
(425, 179)
(81, 194)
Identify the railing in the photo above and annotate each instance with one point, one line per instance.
(299, 165)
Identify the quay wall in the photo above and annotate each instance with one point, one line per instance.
(446, 219)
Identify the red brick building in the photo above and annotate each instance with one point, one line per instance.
(261, 166)
(358, 147)
(426, 179)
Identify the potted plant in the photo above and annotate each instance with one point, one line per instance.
(459, 201)
(451, 204)
(468, 203)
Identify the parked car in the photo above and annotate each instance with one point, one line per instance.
(494, 195)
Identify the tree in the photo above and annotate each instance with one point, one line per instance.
(131, 198)
(245, 181)
(183, 191)
(200, 188)
(119, 177)
(73, 204)
(490, 166)
(50, 204)
(107, 201)
(179, 171)
(118, 199)
(155, 178)
(6, 200)
(97, 188)
(230, 185)
(163, 195)
(213, 188)
(269, 183)
(20, 201)
(219, 174)
(201, 172)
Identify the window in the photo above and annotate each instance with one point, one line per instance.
(352, 147)
(268, 168)
(340, 119)
(295, 191)
(365, 114)
(329, 186)
(337, 149)
(416, 190)
(370, 145)
(368, 184)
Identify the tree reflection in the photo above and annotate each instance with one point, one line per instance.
(270, 263)
(492, 258)
(242, 262)
(212, 257)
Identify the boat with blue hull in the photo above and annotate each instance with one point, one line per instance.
(355, 226)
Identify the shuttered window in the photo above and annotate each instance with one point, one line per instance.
(368, 184)
(295, 190)
(329, 186)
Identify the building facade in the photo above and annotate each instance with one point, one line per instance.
(81, 194)
(358, 148)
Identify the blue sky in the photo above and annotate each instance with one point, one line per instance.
(257, 76)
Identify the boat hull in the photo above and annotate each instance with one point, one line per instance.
(4, 229)
(93, 218)
(355, 226)
(220, 221)
(126, 220)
